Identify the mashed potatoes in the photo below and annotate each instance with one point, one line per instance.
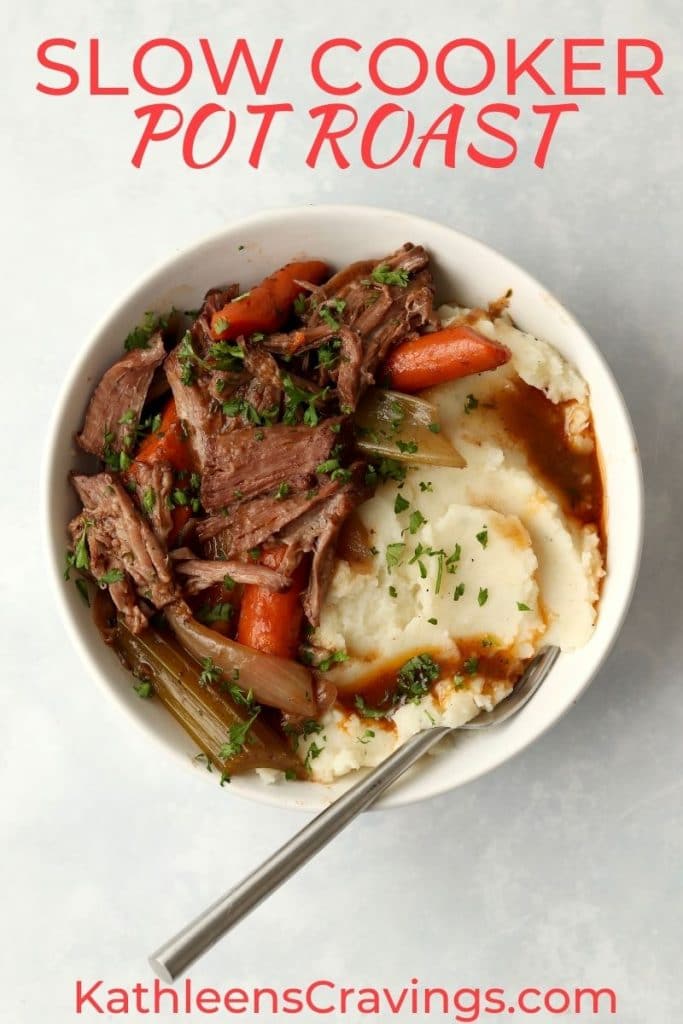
(476, 567)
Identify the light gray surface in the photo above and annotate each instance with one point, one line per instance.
(562, 868)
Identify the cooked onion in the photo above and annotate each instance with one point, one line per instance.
(278, 682)
(397, 426)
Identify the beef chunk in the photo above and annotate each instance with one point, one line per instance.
(113, 413)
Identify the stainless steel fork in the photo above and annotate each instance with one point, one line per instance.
(175, 956)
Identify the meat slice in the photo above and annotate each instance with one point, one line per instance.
(248, 462)
(214, 300)
(317, 530)
(116, 527)
(154, 485)
(114, 409)
(198, 574)
(366, 315)
(103, 564)
(196, 407)
(251, 523)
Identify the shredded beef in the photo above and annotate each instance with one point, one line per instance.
(250, 524)
(248, 462)
(198, 574)
(154, 485)
(113, 413)
(116, 526)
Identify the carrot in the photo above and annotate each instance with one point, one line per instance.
(270, 621)
(267, 306)
(448, 354)
(167, 444)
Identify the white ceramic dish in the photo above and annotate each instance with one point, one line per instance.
(464, 269)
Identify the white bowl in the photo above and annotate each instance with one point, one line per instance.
(464, 269)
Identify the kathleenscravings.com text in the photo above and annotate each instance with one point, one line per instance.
(331, 1000)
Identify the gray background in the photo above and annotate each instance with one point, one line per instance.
(563, 867)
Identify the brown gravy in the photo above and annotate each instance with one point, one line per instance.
(476, 654)
(539, 426)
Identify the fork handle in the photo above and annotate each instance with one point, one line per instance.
(175, 956)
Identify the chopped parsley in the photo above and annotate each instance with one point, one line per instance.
(470, 665)
(416, 521)
(300, 304)
(332, 659)
(482, 596)
(226, 356)
(148, 500)
(368, 712)
(237, 737)
(221, 612)
(471, 404)
(435, 428)
(393, 592)
(400, 505)
(523, 607)
(143, 689)
(407, 447)
(220, 324)
(459, 591)
(313, 751)
(79, 558)
(414, 677)
(325, 312)
(282, 491)
(110, 576)
(210, 673)
(433, 622)
(82, 588)
(483, 537)
(394, 554)
(368, 735)
(295, 397)
(141, 335)
(383, 274)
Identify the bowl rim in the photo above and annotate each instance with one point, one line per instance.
(279, 796)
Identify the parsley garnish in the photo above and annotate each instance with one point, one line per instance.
(221, 612)
(426, 486)
(368, 735)
(367, 712)
(282, 491)
(79, 559)
(140, 336)
(110, 576)
(482, 596)
(435, 428)
(148, 500)
(237, 737)
(296, 396)
(471, 665)
(400, 505)
(407, 447)
(459, 591)
(143, 689)
(393, 592)
(414, 677)
(523, 607)
(394, 554)
(220, 324)
(383, 274)
(416, 521)
(483, 537)
(210, 673)
(332, 659)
